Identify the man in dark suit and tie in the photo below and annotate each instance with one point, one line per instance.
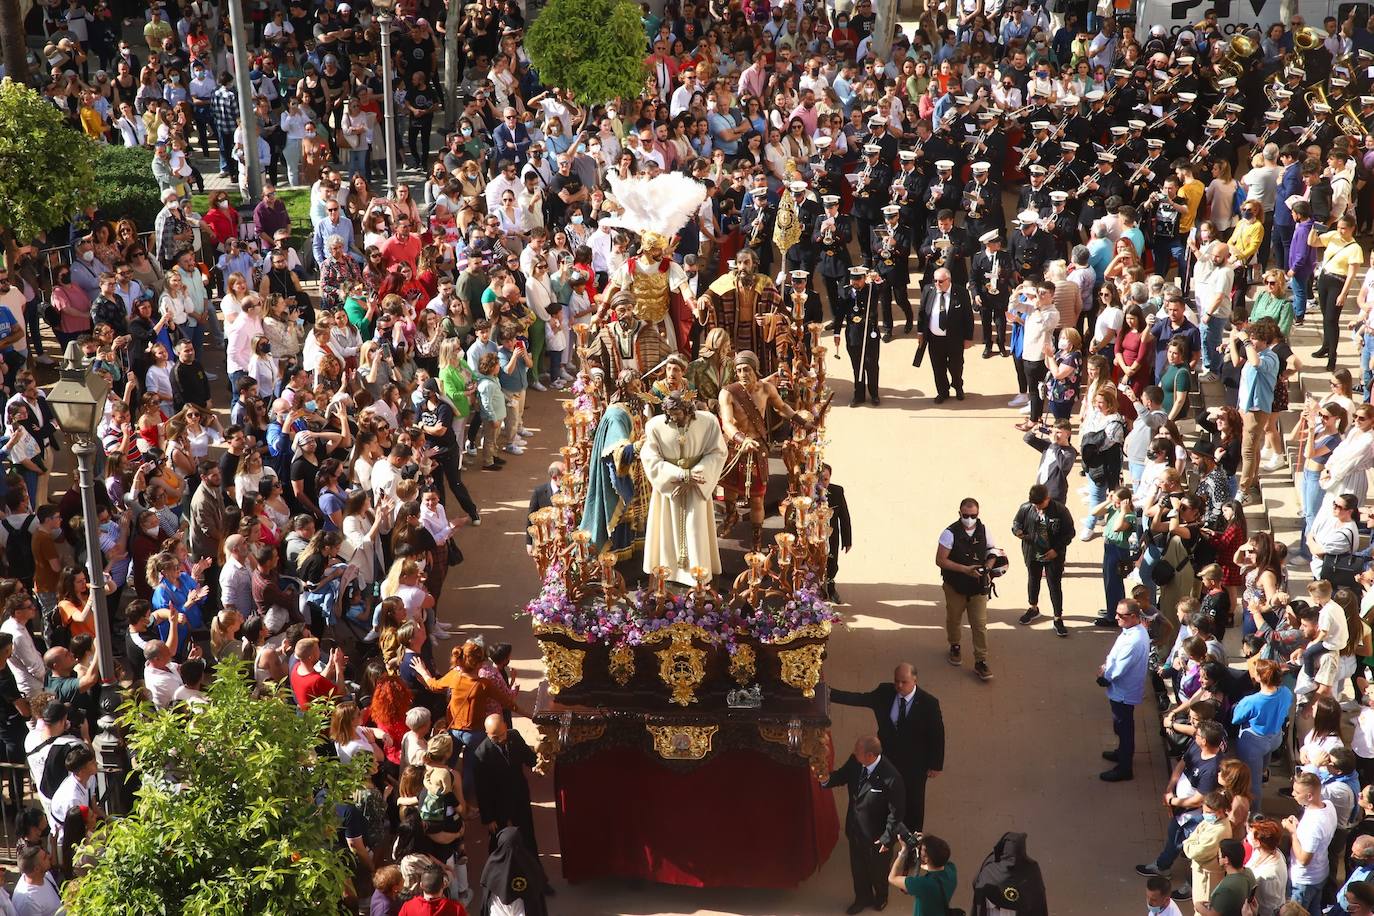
(912, 732)
(503, 794)
(946, 323)
(542, 498)
(875, 809)
(841, 531)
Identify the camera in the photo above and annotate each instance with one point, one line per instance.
(912, 839)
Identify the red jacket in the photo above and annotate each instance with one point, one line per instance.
(419, 906)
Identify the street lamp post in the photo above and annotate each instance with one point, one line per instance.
(243, 86)
(78, 401)
(382, 9)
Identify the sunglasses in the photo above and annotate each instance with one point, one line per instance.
(968, 515)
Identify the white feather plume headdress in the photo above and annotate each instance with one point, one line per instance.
(662, 204)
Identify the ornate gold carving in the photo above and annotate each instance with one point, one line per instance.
(562, 666)
(557, 629)
(742, 665)
(810, 631)
(682, 742)
(622, 664)
(814, 745)
(801, 668)
(681, 666)
(550, 747)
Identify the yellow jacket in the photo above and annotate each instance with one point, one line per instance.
(1203, 849)
(1246, 238)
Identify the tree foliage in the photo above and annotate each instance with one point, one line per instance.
(593, 47)
(235, 814)
(125, 186)
(47, 170)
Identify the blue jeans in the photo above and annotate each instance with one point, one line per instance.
(1097, 493)
(227, 164)
(1279, 242)
(1212, 330)
(1173, 841)
(1168, 252)
(357, 162)
(1137, 469)
(469, 739)
(1254, 749)
(1112, 583)
(1367, 364)
(1301, 287)
(1309, 485)
(1308, 896)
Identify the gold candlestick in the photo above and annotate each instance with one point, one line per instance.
(785, 542)
(660, 577)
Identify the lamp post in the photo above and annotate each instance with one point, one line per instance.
(78, 402)
(382, 10)
(243, 86)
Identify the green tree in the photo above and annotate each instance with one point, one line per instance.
(593, 47)
(48, 169)
(235, 814)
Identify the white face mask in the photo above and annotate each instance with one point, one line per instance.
(88, 256)
(969, 523)
(224, 205)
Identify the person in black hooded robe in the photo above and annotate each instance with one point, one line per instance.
(513, 873)
(1010, 879)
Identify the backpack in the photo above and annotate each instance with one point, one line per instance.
(54, 767)
(433, 807)
(19, 547)
(56, 631)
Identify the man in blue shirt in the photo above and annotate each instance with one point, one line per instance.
(1252, 351)
(1289, 184)
(515, 363)
(1123, 674)
(726, 126)
(1362, 860)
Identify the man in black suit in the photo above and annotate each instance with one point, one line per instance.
(857, 318)
(503, 795)
(830, 234)
(841, 531)
(542, 498)
(946, 323)
(912, 731)
(875, 808)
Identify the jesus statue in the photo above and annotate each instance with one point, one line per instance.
(683, 456)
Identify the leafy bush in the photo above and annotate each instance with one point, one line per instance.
(593, 47)
(46, 166)
(125, 186)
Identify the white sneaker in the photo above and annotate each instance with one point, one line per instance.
(210, 376)
(1273, 463)
(524, 433)
(1019, 400)
(561, 384)
(514, 449)
(1086, 536)
(537, 386)
(441, 631)
(477, 522)
(1025, 410)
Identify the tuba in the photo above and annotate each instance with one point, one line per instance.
(1315, 95)
(1233, 60)
(1305, 40)
(1349, 122)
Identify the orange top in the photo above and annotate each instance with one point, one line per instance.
(68, 611)
(467, 699)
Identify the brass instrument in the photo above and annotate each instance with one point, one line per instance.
(861, 184)
(1167, 87)
(941, 250)
(828, 236)
(1307, 134)
(979, 140)
(993, 272)
(1053, 173)
(973, 201)
(897, 193)
(1032, 147)
(1316, 95)
(1168, 117)
(937, 189)
(886, 250)
(756, 228)
(1017, 114)
(1233, 60)
(1083, 188)
(1200, 154)
(1305, 40)
(1348, 120)
(1141, 169)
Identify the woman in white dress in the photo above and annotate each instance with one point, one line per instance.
(1347, 469)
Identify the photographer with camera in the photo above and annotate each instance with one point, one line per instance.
(933, 883)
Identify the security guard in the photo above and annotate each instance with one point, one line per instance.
(892, 259)
(830, 234)
(860, 311)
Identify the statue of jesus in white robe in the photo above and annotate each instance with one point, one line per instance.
(683, 456)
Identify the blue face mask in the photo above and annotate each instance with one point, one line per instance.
(1155, 910)
(311, 406)
(577, 219)
(467, 131)
(1211, 818)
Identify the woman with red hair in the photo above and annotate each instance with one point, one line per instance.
(391, 700)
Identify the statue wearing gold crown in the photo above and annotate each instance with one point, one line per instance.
(656, 208)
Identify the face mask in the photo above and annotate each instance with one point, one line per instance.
(175, 78)
(311, 406)
(224, 204)
(152, 530)
(577, 219)
(467, 131)
(1211, 818)
(969, 523)
(1155, 910)
(88, 256)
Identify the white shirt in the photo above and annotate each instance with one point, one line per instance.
(72, 794)
(36, 899)
(38, 759)
(1314, 832)
(162, 684)
(26, 663)
(939, 312)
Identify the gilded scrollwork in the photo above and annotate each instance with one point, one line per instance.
(621, 664)
(814, 744)
(743, 664)
(801, 667)
(562, 666)
(682, 742)
(681, 665)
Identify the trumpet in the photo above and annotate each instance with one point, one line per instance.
(897, 193)
(1307, 134)
(1017, 114)
(1160, 123)
(1201, 152)
(1140, 171)
(864, 177)
(979, 140)
(756, 228)
(1033, 147)
(937, 189)
(1083, 188)
(828, 236)
(973, 202)
(1166, 87)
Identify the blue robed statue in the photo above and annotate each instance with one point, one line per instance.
(617, 506)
